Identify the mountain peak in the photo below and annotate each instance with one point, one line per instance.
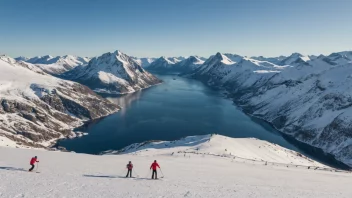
(118, 53)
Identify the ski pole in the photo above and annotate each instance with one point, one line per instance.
(161, 172)
(37, 167)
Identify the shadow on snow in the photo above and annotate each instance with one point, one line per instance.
(12, 169)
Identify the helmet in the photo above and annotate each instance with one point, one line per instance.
(35, 157)
(154, 160)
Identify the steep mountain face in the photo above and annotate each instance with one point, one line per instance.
(339, 58)
(21, 58)
(36, 109)
(309, 99)
(163, 64)
(176, 64)
(113, 73)
(295, 59)
(190, 64)
(56, 65)
(144, 62)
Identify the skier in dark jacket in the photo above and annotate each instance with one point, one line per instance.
(32, 162)
(154, 166)
(129, 168)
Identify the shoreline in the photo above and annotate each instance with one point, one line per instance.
(302, 147)
(226, 94)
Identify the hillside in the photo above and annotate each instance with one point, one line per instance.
(191, 175)
(304, 97)
(36, 108)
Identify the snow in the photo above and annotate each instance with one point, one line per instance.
(24, 85)
(6, 142)
(306, 97)
(114, 73)
(247, 149)
(144, 62)
(16, 81)
(79, 175)
(57, 65)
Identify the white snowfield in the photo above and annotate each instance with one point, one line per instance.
(80, 175)
(244, 149)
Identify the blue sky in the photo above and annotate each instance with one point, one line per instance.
(152, 28)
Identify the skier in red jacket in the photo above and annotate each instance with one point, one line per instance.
(129, 168)
(154, 166)
(32, 162)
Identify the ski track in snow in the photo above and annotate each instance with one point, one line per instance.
(80, 175)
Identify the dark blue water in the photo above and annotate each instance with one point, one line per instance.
(179, 107)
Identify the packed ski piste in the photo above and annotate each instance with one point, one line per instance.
(195, 166)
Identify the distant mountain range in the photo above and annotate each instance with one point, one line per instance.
(56, 65)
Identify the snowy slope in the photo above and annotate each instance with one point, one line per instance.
(21, 58)
(308, 99)
(36, 108)
(191, 175)
(294, 59)
(246, 149)
(144, 62)
(176, 64)
(339, 58)
(57, 65)
(162, 64)
(274, 60)
(114, 73)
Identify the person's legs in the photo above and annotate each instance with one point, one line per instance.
(31, 167)
(156, 175)
(130, 173)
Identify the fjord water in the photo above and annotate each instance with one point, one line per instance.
(176, 108)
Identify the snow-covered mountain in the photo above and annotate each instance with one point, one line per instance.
(188, 65)
(144, 62)
(339, 58)
(307, 99)
(21, 58)
(36, 108)
(162, 64)
(113, 73)
(56, 65)
(175, 64)
(199, 166)
(275, 60)
(295, 59)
